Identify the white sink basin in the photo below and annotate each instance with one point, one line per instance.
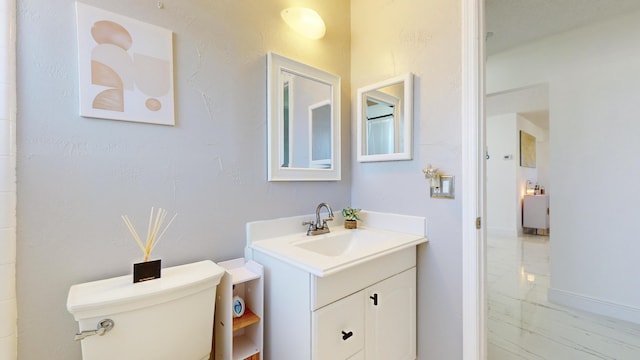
(342, 243)
(326, 254)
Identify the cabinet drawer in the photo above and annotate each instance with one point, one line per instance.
(325, 290)
(338, 329)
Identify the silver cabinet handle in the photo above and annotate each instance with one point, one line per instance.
(103, 327)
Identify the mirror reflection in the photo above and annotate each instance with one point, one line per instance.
(320, 147)
(385, 120)
(304, 122)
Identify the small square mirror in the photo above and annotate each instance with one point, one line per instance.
(385, 120)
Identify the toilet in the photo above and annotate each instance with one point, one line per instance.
(163, 319)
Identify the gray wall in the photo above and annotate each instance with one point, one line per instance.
(423, 37)
(77, 176)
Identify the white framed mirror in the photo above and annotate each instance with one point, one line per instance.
(303, 109)
(385, 120)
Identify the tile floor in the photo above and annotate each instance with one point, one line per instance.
(523, 325)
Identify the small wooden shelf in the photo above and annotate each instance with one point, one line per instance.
(248, 318)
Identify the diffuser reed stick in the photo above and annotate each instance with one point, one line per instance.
(156, 220)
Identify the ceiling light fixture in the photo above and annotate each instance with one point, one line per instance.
(307, 22)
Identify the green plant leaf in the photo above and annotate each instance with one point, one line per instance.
(351, 214)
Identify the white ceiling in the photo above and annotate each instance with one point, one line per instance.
(510, 23)
(513, 22)
(531, 102)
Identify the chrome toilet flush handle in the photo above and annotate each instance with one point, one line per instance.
(103, 327)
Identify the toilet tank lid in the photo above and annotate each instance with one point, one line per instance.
(121, 291)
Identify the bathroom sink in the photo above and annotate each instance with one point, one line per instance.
(322, 255)
(341, 243)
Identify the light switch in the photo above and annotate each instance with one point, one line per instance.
(446, 188)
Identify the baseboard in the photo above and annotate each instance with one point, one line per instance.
(502, 232)
(593, 305)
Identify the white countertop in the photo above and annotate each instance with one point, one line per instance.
(363, 244)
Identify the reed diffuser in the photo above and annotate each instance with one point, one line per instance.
(148, 270)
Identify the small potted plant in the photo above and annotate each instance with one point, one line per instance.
(351, 218)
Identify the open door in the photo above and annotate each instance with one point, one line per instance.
(473, 186)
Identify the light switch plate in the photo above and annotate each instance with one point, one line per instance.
(446, 189)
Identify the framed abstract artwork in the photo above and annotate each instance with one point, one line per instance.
(125, 68)
(527, 150)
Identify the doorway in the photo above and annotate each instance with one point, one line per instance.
(589, 69)
(510, 115)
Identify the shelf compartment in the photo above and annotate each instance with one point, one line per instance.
(248, 318)
(242, 337)
(243, 348)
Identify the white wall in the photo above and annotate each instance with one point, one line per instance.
(533, 174)
(389, 39)
(506, 179)
(540, 174)
(593, 86)
(77, 176)
(501, 180)
(8, 300)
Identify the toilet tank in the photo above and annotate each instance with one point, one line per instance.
(168, 318)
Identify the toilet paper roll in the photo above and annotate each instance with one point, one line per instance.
(238, 306)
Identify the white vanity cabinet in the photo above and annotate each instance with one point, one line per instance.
(379, 320)
(367, 311)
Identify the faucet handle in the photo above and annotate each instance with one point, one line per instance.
(312, 227)
(324, 223)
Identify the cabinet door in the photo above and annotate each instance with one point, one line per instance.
(390, 318)
(338, 329)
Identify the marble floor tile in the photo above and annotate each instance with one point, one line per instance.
(523, 325)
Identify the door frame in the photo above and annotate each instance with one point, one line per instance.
(474, 334)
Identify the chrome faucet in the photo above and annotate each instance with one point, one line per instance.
(320, 226)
